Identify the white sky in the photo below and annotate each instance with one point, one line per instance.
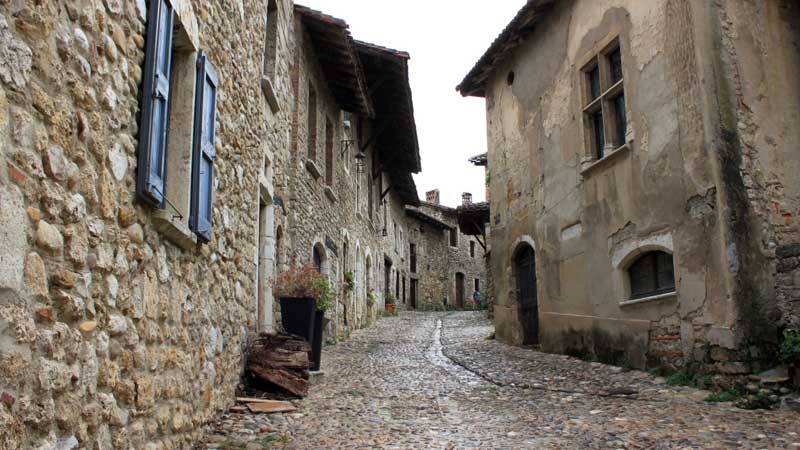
(445, 39)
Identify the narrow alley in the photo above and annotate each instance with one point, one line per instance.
(434, 380)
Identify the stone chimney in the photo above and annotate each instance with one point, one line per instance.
(432, 196)
(466, 199)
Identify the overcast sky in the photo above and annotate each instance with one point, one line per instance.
(445, 39)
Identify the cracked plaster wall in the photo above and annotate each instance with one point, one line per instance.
(670, 182)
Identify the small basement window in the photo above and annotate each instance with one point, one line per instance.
(652, 274)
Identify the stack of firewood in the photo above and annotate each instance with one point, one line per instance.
(280, 361)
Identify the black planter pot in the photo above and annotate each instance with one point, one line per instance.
(316, 343)
(297, 316)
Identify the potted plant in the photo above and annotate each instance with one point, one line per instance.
(349, 281)
(390, 301)
(371, 297)
(304, 295)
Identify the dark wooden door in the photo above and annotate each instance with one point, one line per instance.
(528, 301)
(413, 293)
(460, 290)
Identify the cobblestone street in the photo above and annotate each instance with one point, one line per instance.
(433, 380)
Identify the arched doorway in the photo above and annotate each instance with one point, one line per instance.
(527, 300)
(460, 290)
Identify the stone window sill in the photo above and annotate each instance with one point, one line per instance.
(174, 230)
(269, 93)
(331, 195)
(594, 165)
(652, 298)
(311, 166)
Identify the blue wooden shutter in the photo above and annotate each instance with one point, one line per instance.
(155, 103)
(203, 153)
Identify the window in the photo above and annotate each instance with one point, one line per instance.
(652, 274)
(329, 152)
(453, 237)
(604, 112)
(412, 256)
(472, 249)
(477, 285)
(312, 123)
(177, 132)
(271, 40)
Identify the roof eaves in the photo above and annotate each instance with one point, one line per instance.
(474, 84)
(342, 30)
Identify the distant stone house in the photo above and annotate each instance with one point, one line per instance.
(643, 197)
(155, 172)
(448, 265)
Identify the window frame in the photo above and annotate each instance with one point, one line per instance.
(613, 134)
(653, 259)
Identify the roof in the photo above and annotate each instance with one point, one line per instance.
(472, 218)
(479, 160)
(397, 144)
(339, 60)
(440, 207)
(474, 84)
(427, 218)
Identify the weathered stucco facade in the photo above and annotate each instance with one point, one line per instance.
(701, 171)
(119, 327)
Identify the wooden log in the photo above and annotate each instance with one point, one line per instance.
(288, 359)
(289, 382)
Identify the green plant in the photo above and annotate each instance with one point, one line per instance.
(390, 300)
(304, 282)
(681, 379)
(790, 347)
(349, 281)
(756, 401)
(729, 395)
(371, 297)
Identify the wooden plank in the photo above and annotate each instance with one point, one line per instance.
(271, 407)
(285, 380)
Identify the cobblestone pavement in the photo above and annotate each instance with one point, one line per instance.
(432, 380)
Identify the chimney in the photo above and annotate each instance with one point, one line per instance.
(466, 199)
(432, 196)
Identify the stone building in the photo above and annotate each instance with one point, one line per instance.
(447, 265)
(154, 172)
(643, 202)
(346, 176)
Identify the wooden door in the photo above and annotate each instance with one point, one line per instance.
(413, 293)
(460, 290)
(527, 296)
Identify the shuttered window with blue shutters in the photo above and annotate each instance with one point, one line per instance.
(155, 104)
(203, 153)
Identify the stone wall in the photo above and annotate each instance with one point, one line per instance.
(337, 217)
(111, 334)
